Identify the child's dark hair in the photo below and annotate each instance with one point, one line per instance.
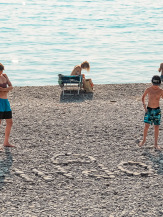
(2, 67)
(85, 65)
(156, 80)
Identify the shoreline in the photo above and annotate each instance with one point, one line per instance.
(72, 155)
(53, 85)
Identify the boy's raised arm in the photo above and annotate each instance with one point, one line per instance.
(161, 67)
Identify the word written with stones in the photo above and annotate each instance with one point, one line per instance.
(95, 170)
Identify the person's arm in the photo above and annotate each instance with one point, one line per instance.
(10, 87)
(161, 93)
(78, 70)
(143, 99)
(7, 89)
(161, 67)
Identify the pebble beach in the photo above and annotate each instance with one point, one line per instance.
(78, 156)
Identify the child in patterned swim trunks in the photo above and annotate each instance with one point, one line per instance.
(152, 111)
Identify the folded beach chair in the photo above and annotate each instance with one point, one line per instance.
(69, 81)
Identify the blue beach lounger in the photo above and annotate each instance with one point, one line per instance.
(66, 81)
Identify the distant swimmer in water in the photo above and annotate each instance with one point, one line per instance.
(5, 110)
(152, 110)
(77, 71)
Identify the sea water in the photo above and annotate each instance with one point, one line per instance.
(122, 40)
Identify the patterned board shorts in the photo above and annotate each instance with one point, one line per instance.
(153, 115)
(5, 110)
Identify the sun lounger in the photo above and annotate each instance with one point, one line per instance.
(69, 81)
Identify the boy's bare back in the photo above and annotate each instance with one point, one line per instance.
(154, 94)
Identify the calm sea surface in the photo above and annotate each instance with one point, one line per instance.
(122, 40)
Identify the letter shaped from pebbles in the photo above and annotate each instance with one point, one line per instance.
(141, 168)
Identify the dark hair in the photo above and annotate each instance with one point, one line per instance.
(156, 80)
(85, 65)
(2, 67)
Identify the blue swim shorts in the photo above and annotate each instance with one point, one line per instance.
(153, 115)
(5, 110)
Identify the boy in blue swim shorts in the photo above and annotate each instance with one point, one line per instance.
(5, 110)
(152, 110)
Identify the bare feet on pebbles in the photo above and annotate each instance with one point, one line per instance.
(8, 145)
(141, 143)
(157, 147)
(1, 149)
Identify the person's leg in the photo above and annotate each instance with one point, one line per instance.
(7, 132)
(1, 148)
(146, 127)
(156, 129)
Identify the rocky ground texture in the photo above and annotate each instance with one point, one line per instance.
(79, 155)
